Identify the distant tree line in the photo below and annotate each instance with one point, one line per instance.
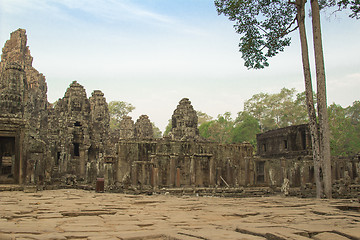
(264, 112)
(120, 109)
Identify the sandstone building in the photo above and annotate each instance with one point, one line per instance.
(43, 143)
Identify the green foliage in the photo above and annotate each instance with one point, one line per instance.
(245, 129)
(353, 5)
(226, 130)
(156, 130)
(283, 109)
(277, 110)
(203, 117)
(263, 26)
(344, 129)
(218, 130)
(168, 128)
(117, 110)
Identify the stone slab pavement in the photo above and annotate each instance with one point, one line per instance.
(79, 214)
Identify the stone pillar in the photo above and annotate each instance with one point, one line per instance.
(156, 177)
(177, 177)
(86, 159)
(21, 175)
(211, 173)
(143, 174)
(172, 171)
(108, 168)
(134, 179)
(192, 170)
(246, 170)
(152, 179)
(228, 172)
(82, 162)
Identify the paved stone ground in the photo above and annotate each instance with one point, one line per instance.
(78, 214)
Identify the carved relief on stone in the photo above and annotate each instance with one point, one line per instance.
(184, 121)
(12, 92)
(99, 107)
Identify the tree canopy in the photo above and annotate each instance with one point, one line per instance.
(344, 129)
(263, 26)
(117, 110)
(264, 111)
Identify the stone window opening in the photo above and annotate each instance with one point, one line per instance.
(264, 147)
(57, 158)
(77, 124)
(303, 139)
(76, 149)
(285, 144)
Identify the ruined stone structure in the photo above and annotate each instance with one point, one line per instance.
(184, 159)
(286, 153)
(43, 143)
(23, 104)
(184, 122)
(70, 142)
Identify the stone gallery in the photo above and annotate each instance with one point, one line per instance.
(70, 141)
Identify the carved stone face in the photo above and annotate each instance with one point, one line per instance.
(76, 105)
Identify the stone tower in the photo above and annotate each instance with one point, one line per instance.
(127, 128)
(23, 111)
(143, 128)
(184, 122)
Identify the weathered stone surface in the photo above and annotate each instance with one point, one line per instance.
(127, 128)
(143, 128)
(90, 215)
(184, 122)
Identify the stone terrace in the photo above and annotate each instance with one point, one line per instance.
(79, 214)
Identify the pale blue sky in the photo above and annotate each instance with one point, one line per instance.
(152, 53)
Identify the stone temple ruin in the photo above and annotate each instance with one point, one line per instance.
(69, 142)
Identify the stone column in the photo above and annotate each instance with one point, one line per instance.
(82, 162)
(177, 177)
(192, 170)
(143, 174)
(211, 172)
(156, 177)
(172, 171)
(134, 178)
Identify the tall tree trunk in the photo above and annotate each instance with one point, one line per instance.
(300, 4)
(324, 133)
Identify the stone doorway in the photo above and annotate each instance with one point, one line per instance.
(7, 160)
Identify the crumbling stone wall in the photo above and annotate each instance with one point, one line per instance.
(292, 140)
(286, 153)
(184, 160)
